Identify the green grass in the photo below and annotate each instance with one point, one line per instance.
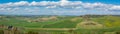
(111, 24)
(66, 23)
(108, 21)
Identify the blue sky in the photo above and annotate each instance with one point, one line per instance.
(117, 2)
(59, 7)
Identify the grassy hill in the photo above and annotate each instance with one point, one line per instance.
(61, 22)
(111, 23)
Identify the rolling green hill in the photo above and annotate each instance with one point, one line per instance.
(60, 23)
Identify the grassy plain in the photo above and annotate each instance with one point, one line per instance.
(61, 24)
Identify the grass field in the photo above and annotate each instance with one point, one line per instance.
(61, 24)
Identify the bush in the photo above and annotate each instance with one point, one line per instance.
(31, 32)
(1, 32)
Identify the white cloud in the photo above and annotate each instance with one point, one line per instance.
(58, 4)
(115, 8)
(51, 7)
(16, 6)
(63, 2)
(21, 3)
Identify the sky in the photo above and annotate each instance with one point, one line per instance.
(59, 7)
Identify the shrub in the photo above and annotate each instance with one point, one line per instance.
(31, 32)
(1, 32)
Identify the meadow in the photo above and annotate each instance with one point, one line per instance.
(61, 24)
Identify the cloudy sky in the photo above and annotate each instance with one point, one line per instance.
(59, 7)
